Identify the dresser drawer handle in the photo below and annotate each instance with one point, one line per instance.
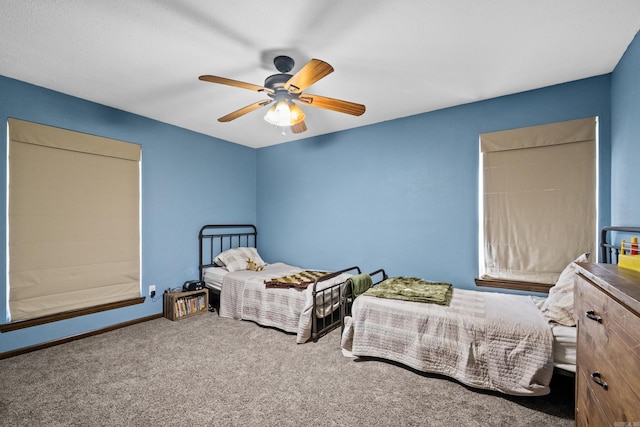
(593, 316)
(598, 380)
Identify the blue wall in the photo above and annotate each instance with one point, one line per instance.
(625, 138)
(185, 184)
(403, 195)
(400, 195)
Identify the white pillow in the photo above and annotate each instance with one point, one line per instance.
(236, 259)
(558, 307)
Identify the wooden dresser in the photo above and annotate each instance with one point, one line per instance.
(607, 303)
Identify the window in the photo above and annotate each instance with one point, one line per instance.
(539, 198)
(73, 221)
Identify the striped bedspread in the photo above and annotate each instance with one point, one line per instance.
(492, 341)
(244, 296)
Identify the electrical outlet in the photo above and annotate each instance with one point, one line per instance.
(152, 291)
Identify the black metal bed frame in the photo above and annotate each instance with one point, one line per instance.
(207, 238)
(216, 238)
(323, 325)
(610, 250)
(348, 296)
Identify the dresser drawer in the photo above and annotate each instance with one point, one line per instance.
(588, 410)
(608, 356)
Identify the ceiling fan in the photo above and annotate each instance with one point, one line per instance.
(283, 89)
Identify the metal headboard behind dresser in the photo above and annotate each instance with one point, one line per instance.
(609, 249)
(216, 238)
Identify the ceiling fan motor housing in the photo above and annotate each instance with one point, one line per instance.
(276, 82)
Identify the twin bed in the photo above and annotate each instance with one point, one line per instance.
(488, 340)
(296, 300)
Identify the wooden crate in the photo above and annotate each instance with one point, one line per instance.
(180, 305)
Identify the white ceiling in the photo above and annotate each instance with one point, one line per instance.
(398, 57)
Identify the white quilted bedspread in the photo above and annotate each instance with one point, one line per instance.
(244, 296)
(493, 341)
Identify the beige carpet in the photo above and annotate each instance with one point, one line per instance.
(209, 371)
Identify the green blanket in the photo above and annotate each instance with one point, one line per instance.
(413, 289)
(360, 283)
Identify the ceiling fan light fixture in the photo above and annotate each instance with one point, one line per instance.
(297, 115)
(279, 114)
(283, 113)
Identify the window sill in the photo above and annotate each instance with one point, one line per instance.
(7, 327)
(514, 285)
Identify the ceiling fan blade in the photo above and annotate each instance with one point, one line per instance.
(299, 127)
(313, 71)
(332, 104)
(244, 110)
(236, 83)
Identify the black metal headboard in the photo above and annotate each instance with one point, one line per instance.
(216, 238)
(610, 243)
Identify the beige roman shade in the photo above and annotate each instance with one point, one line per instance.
(74, 220)
(539, 199)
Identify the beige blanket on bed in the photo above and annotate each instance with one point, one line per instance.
(487, 340)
